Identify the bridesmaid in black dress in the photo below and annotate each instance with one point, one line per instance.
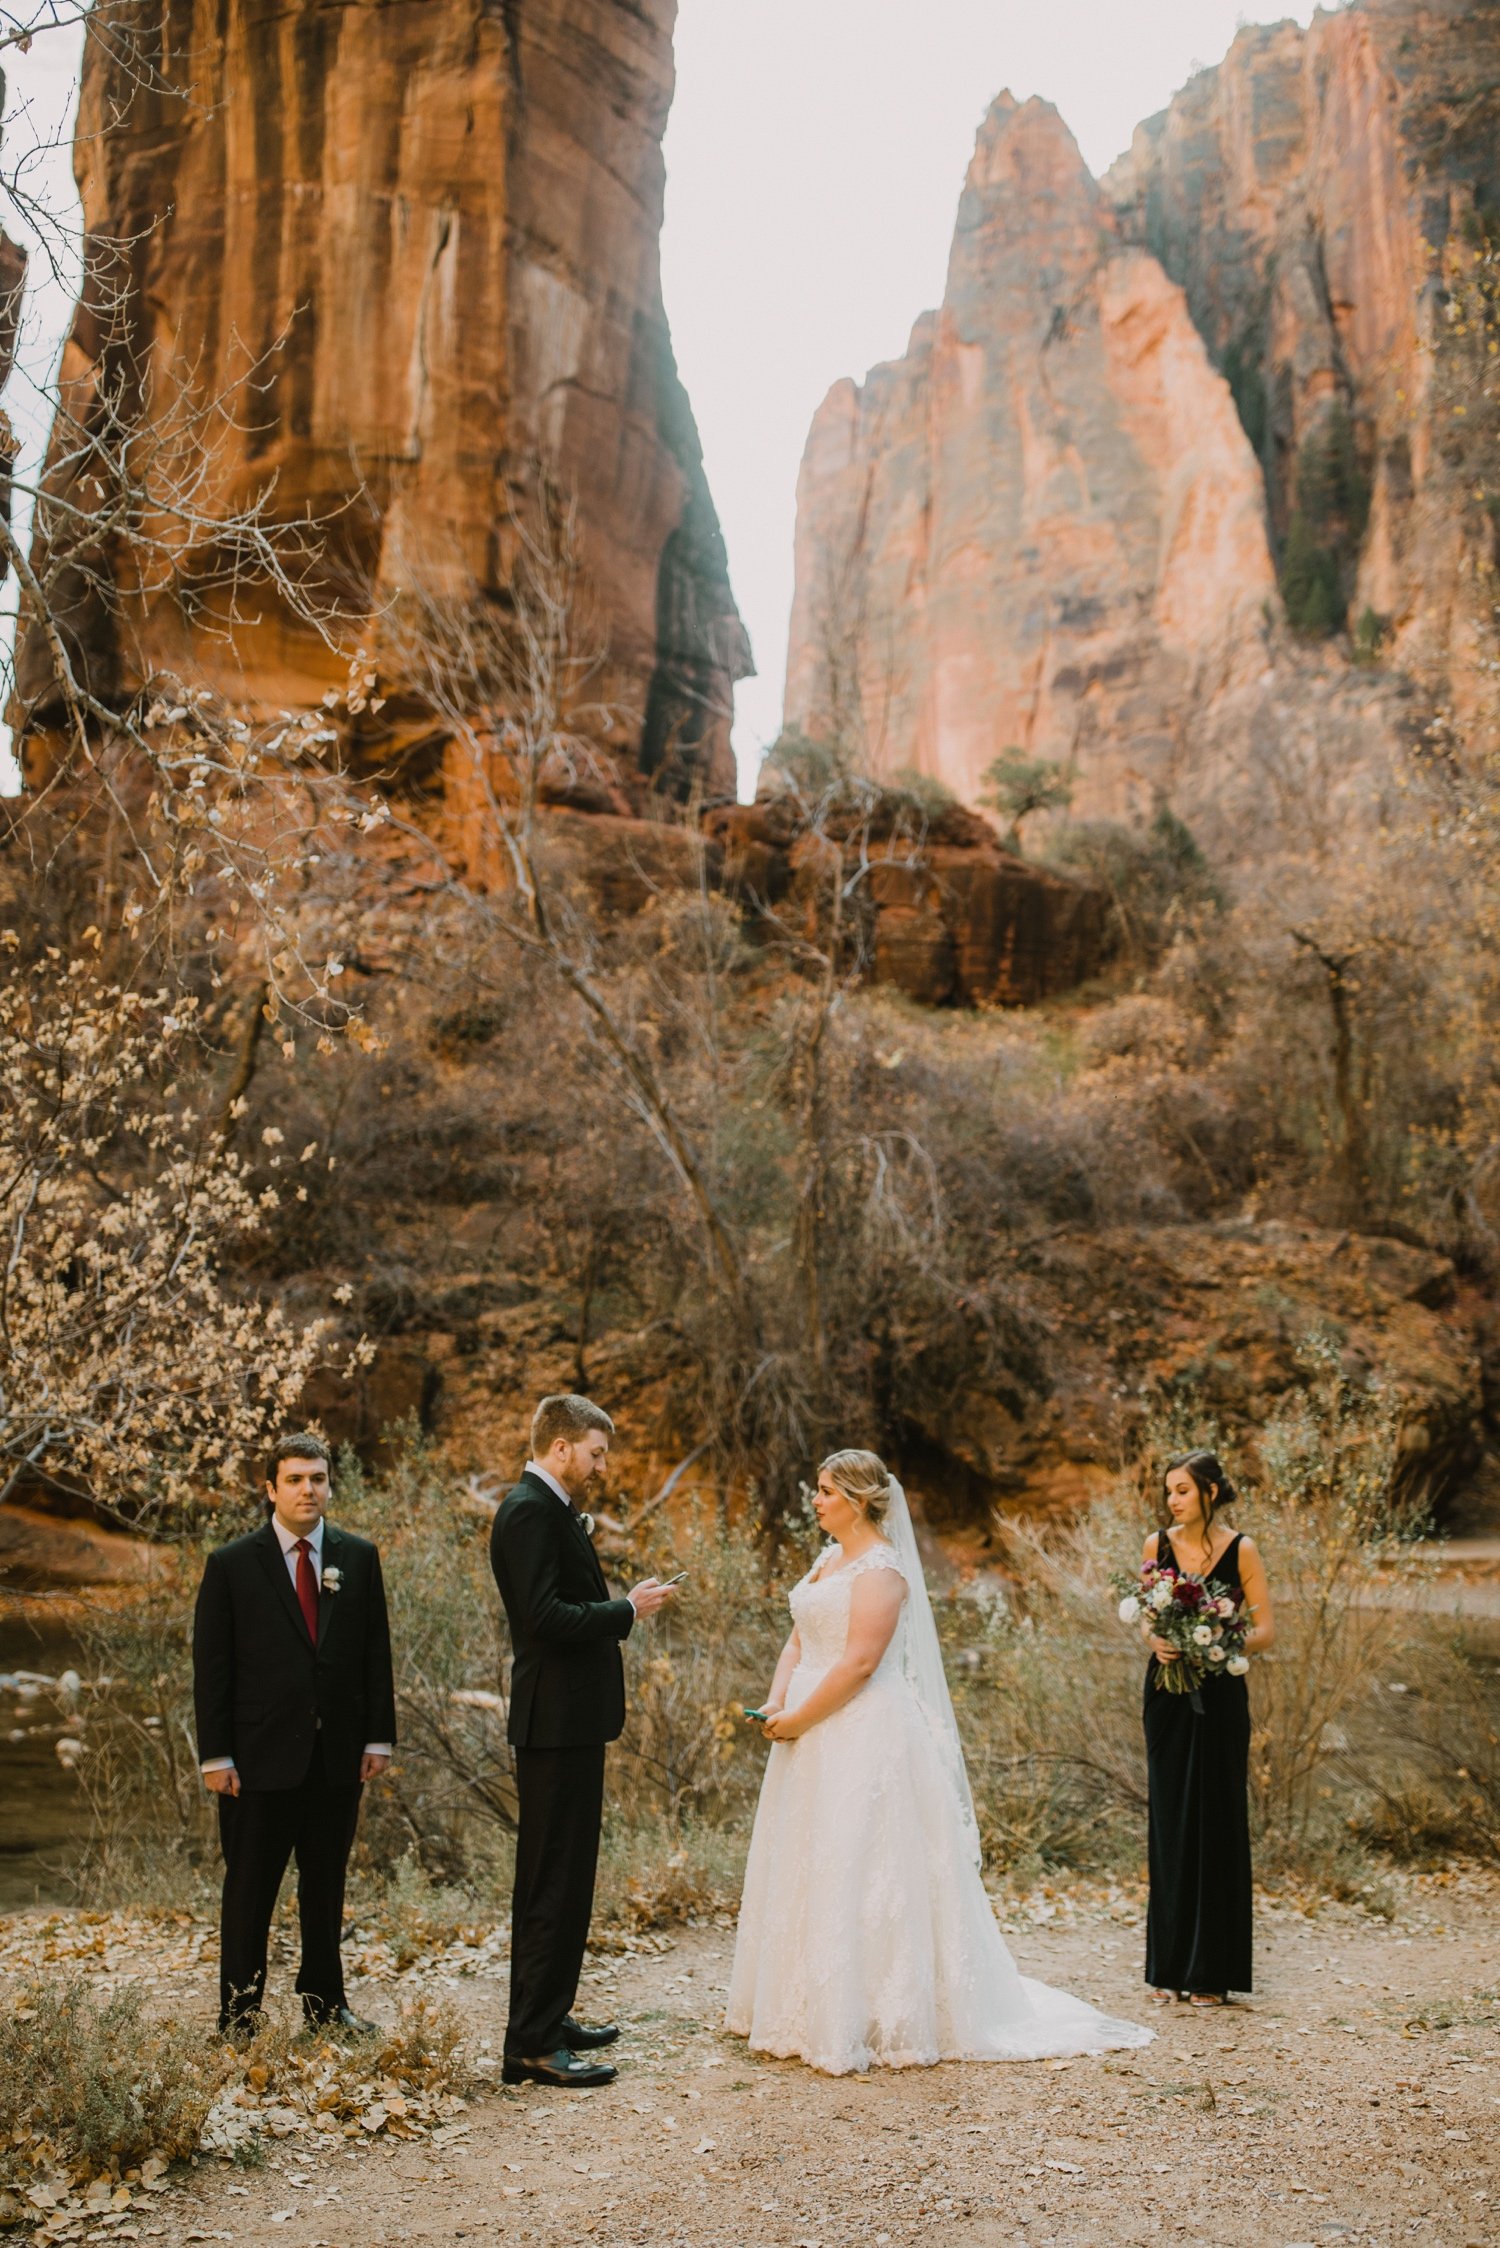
(1198, 1759)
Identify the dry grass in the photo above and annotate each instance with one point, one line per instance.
(102, 2091)
(94, 2086)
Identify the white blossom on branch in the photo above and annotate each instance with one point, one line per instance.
(130, 1369)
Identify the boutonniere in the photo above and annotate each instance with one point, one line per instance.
(332, 1579)
(588, 1523)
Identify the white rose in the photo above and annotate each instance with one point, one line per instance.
(1130, 1608)
(1237, 1665)
(1161, 1596)
(1201, 1635)
(1216, 1654)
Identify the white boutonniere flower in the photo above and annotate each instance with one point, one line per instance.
(332, 1579)
(588, 1523)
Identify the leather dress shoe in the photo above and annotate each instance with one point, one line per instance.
(580, 2038)
(562, 2068)
(341, 2017)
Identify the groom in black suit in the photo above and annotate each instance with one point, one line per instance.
(296, 1709)
(567, 1699)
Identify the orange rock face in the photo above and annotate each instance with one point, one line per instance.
(951, 919)
(1053, 524)
(416, 245)
(1318, 195)
(1044, 527)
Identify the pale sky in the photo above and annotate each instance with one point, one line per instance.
(814, 159)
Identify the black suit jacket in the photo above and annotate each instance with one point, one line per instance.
(263, 1691)
(567, 1681)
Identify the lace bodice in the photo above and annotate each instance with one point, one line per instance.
(820, 1608)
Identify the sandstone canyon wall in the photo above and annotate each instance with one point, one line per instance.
(1043, 527)
(415, 246)
(1317, 196)
(1057, 522)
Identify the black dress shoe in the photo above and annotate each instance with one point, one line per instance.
(340, 2017)
(580, 2039)
(561, 2067)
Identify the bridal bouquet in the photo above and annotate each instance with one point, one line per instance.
(1207, 1623)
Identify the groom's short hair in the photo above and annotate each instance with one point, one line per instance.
(571, 1417)
(300, 1444)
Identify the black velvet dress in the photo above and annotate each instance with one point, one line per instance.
(1198, 1764)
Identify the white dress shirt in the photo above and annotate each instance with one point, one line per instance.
(288, 1540)
(544, 1475)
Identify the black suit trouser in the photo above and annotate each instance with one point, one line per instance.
(259, 1830)
(561, 1797)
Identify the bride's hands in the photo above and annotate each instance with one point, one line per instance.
(780, 1727)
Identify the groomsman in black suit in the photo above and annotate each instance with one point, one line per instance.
(567, 1699)
(296, 1709)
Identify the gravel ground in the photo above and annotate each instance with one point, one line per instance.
(1355, 2099)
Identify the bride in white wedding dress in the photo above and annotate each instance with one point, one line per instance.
(866, 1938)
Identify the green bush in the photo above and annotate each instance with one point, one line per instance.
(1155, 877)
(1017, 786)
(1309, 581)
(929, 797)
(1369, 635)
(1321, 551)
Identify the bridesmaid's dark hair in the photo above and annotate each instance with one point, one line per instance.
(1206, 1471)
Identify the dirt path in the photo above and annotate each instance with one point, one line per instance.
(1356, 2099)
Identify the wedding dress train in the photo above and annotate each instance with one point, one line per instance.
(866, 1937)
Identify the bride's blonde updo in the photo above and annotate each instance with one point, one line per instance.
(863, 1480)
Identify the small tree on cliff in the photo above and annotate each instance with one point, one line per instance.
(1017, 786)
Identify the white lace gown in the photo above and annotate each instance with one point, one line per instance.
(866, 1938)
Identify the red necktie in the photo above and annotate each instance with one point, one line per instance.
(307, 1589)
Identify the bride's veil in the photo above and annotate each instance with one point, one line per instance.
(922, 1662)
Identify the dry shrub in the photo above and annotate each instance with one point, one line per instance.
(1427, 1763)
(99, 2089)
(449, 1798)
(661, 1872)
(153, 1835)
(1335, 1529)
(293, 2082)
(92, 2085)
(1047, 1691)
(412, 1915)
(688, 1749)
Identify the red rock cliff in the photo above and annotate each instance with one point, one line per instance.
(1044, 526)
(417, 244)
(1317, 195)
(1155, 424)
